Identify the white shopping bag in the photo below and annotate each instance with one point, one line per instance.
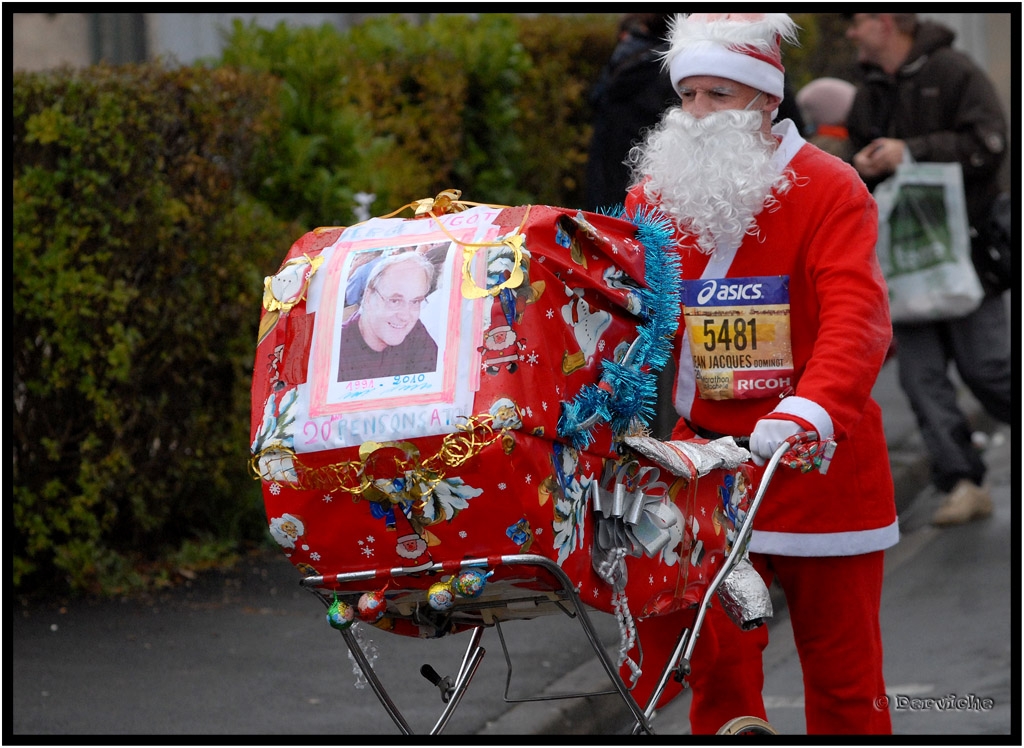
(924, 244)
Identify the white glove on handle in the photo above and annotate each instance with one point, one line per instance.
(768, 434)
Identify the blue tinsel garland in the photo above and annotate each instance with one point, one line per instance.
(628, 390)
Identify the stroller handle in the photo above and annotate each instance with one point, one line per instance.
(743, 534)
(683, 651)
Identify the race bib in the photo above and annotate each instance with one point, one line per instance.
(739, 336)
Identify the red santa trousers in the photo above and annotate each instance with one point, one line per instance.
(833, 604)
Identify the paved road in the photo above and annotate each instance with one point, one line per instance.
(246, 652)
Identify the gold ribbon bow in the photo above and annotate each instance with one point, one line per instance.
(447, 201)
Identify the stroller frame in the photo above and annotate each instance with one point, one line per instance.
(452, 690)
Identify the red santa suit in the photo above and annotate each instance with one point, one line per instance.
(821, 536)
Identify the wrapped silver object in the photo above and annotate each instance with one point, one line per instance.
(690, 459)
(745, 597)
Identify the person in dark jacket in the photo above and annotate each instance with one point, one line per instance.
(629, 97)
(922, 97)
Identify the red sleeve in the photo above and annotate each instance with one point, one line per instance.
(852, 307)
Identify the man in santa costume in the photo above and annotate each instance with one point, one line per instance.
(785, 329)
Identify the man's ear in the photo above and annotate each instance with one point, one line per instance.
(770, 102)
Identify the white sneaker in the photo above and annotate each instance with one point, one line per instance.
(965, 502)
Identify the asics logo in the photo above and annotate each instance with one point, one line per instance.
(712, 289)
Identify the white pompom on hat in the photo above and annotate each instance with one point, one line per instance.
(744, 47)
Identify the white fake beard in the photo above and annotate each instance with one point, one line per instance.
(712, 175)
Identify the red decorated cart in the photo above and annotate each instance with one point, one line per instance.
(510, 475)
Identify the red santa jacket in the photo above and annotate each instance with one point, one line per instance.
(822, 237)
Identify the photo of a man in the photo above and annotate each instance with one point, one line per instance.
(385, 336)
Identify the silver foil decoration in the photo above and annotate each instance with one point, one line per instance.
(690, 459)
(745, 597)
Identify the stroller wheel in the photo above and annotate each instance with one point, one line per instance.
(746, 726)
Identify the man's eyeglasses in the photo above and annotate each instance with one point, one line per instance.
(397, 303)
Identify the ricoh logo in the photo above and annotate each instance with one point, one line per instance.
(773, 384)
(729, 292)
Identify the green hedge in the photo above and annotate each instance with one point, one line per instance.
(138, 267)
(493, 105)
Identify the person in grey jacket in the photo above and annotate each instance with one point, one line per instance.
(919, 95)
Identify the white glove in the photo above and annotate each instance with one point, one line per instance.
(768, 434)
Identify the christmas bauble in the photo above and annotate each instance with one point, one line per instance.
(470, 583)
(440, 596)
(372, 606)
(340, 615)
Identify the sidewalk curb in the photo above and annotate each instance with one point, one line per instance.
(607, 715)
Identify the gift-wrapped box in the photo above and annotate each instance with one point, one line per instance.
(550, 325)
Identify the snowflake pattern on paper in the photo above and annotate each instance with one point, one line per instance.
(570, 508)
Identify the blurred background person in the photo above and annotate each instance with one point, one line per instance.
(921, 97)
(630, 95)
(825, 104)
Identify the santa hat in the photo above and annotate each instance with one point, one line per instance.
(744, 47)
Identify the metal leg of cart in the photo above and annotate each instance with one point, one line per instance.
(642, 721)
(375, 684)
(452, 696)
(471, 660)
